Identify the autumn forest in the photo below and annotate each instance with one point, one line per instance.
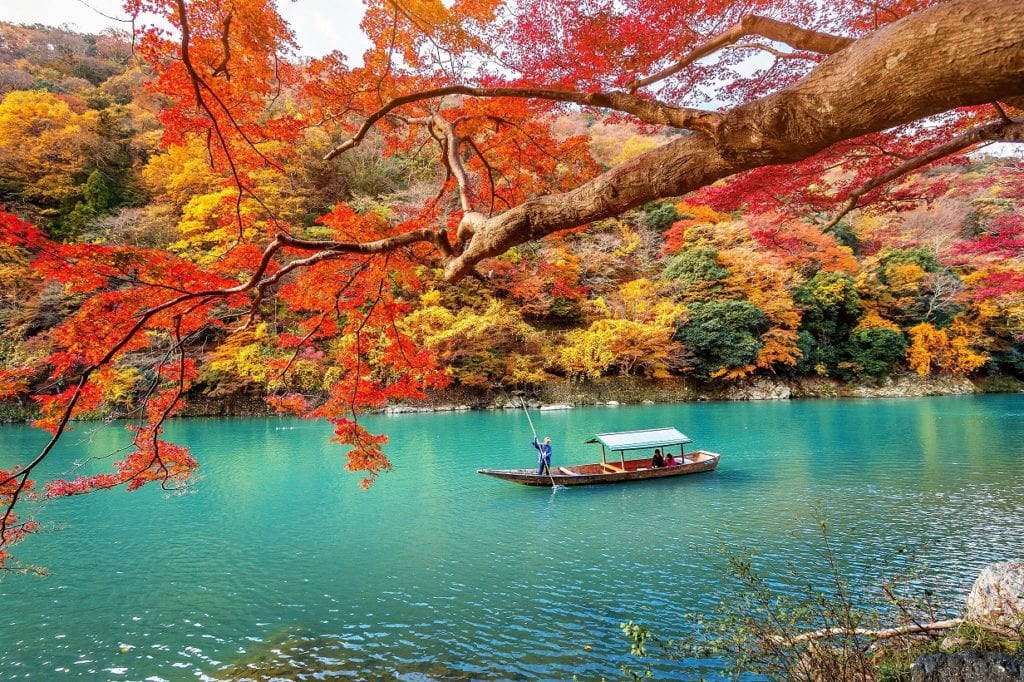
(496, 198)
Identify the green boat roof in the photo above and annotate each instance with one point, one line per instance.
(640, 440)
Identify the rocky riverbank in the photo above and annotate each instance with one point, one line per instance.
(611, 391)
(634, 391)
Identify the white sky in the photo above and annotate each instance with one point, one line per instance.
(320, 25)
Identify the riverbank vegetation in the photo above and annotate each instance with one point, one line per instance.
(199, 212)
(829, 625)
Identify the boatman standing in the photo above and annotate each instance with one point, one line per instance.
(543, 455)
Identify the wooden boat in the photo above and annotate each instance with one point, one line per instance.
(624, 469)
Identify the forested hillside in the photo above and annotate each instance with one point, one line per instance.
(715, 286)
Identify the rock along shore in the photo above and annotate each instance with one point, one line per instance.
(609, 391)
(633, 391)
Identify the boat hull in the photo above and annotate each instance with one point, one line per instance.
(618, 472)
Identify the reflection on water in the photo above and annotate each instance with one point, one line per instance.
(277, 564)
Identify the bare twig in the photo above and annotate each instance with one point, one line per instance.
(1011, 130)
(803, 54)
(753, 24)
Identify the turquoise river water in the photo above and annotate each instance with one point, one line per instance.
(276, 560)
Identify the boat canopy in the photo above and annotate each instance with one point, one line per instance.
(641, 440)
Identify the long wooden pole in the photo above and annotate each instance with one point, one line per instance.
(548, 464)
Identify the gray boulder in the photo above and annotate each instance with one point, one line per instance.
(758, 388)
(997, 597)
(970, 666)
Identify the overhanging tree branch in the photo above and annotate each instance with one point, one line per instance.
(930, 58)
(435, 237)
(648, 111)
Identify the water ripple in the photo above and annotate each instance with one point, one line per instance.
(279, 567)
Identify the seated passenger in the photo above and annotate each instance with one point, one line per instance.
(657, 461)
(670, 461)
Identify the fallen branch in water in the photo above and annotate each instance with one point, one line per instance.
(887, 633)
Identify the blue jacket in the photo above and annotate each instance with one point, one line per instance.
(543, 451)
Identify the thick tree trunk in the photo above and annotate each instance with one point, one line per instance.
(960, 53)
